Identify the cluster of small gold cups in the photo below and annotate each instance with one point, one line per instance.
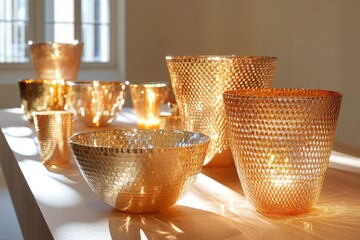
(279, 139)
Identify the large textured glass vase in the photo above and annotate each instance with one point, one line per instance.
(281, 140)
(56, 60)
(198, 83)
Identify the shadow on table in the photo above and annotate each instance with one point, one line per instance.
(178, 222)
(69, 170)
(328, 219)
(335, 215)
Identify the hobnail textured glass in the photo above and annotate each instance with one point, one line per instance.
(198, 83)
(37, 95)
(281, 140)
(96, 103)
(140, 171)
(56, 60)
(53, 130)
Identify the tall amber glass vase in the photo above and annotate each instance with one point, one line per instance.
(198, 83)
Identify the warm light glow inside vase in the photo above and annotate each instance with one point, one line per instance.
(281, 140)
(198, 83)
(147, 99)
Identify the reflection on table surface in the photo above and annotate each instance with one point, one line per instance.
(218, 210)
(215, 208)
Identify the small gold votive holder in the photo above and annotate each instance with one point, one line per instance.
(148, 100)
(53, 130)
(281, 140)
(198, 83)
(53, 60)
(170, 122)
(96, 103)
(38, 95)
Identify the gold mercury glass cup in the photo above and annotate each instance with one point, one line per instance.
(282, 140)
(42, 95)
(53, 130)
(56, 60)
(96, 103)
(147, 100)
(140, 171)
(198, 83)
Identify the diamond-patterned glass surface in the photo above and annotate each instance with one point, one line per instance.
(198, 83)
(53, 130)
(281, 140)
(140, 170)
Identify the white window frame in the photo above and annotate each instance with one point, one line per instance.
(37, 33)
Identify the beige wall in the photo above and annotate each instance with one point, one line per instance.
(317, 43)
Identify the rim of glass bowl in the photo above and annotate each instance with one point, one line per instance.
(282, 92)
(218, 57)
(205, 139)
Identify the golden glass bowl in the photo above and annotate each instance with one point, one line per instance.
(281, 140)
(37, 95)
(56, 60)
(140, 171)
(198, 83)
(96, 103)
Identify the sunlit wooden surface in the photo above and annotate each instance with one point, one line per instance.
(58, 203)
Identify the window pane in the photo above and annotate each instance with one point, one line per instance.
(59, 20)
(59, 26)
(95, 18)
(96, 42)
(59, 32)
(14, 31)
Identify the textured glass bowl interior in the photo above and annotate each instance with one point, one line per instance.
(198, 83)
(37, 95)
(56, 60)
(96, 103)
(140, 171)
(281, 140)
